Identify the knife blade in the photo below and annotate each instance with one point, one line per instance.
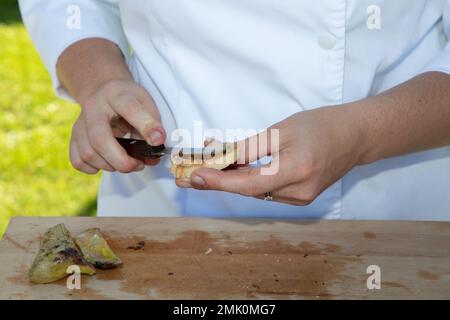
(140, 149)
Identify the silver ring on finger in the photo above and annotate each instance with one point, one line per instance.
(268, 196)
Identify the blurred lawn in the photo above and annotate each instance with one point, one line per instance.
(36, 177)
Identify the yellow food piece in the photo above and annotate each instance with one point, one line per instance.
(57, 252)
(96, 250)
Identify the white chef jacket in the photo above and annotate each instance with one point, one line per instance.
(251, 63)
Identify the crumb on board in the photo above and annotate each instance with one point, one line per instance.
(208, 251)
(139, 246)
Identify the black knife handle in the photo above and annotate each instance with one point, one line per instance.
(140, 149)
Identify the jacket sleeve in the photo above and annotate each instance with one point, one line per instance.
(441, 63)
(56, 24)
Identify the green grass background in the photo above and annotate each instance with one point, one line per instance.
(36, 177)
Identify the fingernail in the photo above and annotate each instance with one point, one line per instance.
(141, 167)
(198, 181)
(155, 137)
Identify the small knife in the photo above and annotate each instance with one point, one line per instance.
(140, 149)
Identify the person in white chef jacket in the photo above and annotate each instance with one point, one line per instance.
(359, 90)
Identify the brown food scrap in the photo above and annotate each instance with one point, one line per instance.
(369, 235)
(139, 246)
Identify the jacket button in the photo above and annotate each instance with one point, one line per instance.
(326, 41)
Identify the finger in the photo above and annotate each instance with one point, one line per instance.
(135, 135)
(152, 162)
(140, 114)
(297, 193)
(87, 152)
(121, 128)
(183, 183)
(248, 181)
(304, 193)
(258, 146)
(147, 162)
(284, 200)
(101, 138)
(78, 163)
(145, 98)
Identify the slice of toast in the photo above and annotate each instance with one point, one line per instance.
(183, 167)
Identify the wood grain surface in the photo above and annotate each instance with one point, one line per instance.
(187, 258)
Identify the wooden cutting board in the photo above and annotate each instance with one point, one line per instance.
(242, 259)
